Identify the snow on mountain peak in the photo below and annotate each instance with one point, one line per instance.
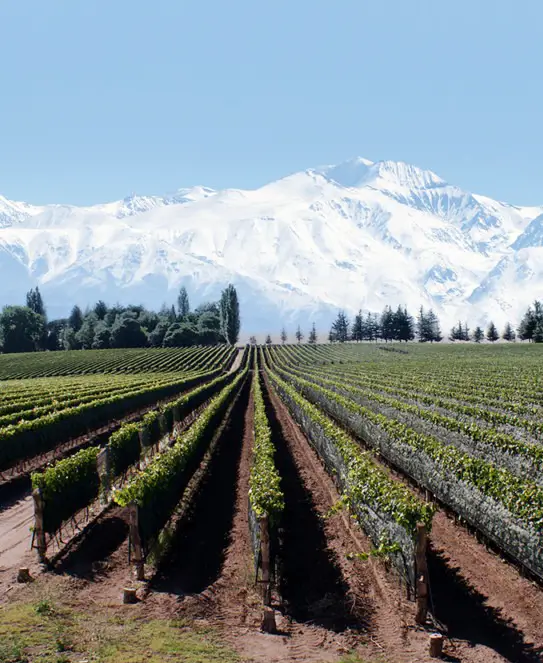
(360, 234)
(406, 175)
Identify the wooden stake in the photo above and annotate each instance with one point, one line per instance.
(24, 575)
(436, 645)
(135, 539)
(129, 595)
(265, 557)
(268, 621)
(421, 571)
(39, 531)
(103, 468)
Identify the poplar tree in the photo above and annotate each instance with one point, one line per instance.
(229, 314)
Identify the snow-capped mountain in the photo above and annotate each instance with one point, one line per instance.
(355, 235)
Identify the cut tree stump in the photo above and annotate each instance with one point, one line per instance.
(129, 595)
(23, 575)
(268, 621)
(436, 645)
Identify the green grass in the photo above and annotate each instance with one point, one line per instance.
(44, 632)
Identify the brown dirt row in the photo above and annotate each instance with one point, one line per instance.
(481, 602)
(12, 478)
(327, 604)
(91, 526)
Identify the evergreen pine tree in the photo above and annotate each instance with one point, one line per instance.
(299, 335)
(340, 328)
(434, 330)
(478, 334)
(509, 333)
(387, 324)
(358, 327)
(492, 333)
(312, 335)
(283, 336)
(268, 340)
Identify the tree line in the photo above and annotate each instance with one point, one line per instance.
(27, 328)
(400, 325)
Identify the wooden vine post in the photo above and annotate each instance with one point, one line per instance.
(135, 540)
(421, 571)
(265, 558)
(268, 617)
(103, 468)
(39, 529)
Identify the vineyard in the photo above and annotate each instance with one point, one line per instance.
(379, 501)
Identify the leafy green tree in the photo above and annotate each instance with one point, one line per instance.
(85, 336)
(180, 334)
(34, 301)
(492, 333)
(538, 333)
(100, 310)
(54, 331)
(156, 337)
(102, 336)
(509, 333)
(312, 339)
(183, 306)
(69, 339)
(229, 314)
(299, 335)
(478, 335)
(75, 321)
(127, 333)
(21, 329)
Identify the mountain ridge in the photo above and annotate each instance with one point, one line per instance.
(360, 234)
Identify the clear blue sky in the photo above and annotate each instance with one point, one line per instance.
(101, 98)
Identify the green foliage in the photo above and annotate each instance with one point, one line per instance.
(21, 329)
(124, 448)
(367, 483)
(523, 499)
(68, 486)
(157, 489)
(126, 332)
(265, 492)
(229, 314)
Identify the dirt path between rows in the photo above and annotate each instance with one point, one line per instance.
(15, 541)
(482, 598)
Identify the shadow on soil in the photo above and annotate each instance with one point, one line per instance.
(462, 610)
(88, 558)
(199, 547)
(312, 586)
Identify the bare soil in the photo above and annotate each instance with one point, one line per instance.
(327, 604)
